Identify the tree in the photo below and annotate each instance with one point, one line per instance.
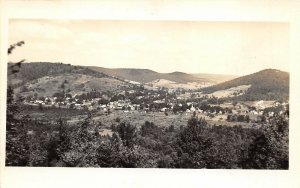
(118, 120)
(35, 95)
(108, 153)
(80, 147)
(127, 133)
(229, 117)
(59, 95)
(192, 144)
(13, 46)
(247, 118)
(103, 101)
(16, 138)
(176, 108)
(42, 98)
(72, 106)
(270, 150)
(240, 118)
(150, 130)
(68, 95)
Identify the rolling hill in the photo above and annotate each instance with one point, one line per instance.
(31, 71)
(36, 75)
(72, 83)
(268, 84)
(146, 75)
(46, 78)
(216, 78)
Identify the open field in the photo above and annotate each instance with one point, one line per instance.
(173, 85)
(135, 118)
(161, 120)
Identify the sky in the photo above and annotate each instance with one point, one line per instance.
(236, 48)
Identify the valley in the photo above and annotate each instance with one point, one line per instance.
(79, 88)
(150, 116)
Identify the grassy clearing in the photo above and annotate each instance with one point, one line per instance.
(75, 117)
(138, 118)
(76, 83)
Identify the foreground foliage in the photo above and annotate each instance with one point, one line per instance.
(35, 142)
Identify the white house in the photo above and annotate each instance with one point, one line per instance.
(163, 109)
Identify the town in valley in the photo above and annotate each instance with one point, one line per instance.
(147, 94)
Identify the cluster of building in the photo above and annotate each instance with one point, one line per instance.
(127, 106)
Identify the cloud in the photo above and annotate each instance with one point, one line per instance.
(36, 30)
(161, 46)
(90, 37)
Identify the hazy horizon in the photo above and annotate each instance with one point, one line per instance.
(229, 48)
(161, 72)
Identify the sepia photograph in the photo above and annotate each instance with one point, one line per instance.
(147, 94)
(160, 93)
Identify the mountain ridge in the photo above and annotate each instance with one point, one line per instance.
(267, 84)
(146, 75)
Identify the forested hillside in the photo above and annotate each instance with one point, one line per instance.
(269, 84)
(31, 71)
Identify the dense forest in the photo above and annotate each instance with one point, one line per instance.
(269, 84)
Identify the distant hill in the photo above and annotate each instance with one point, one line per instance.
(138, 75)
(216, 78)
(146, 75)
(46, 78)
(268, 84)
